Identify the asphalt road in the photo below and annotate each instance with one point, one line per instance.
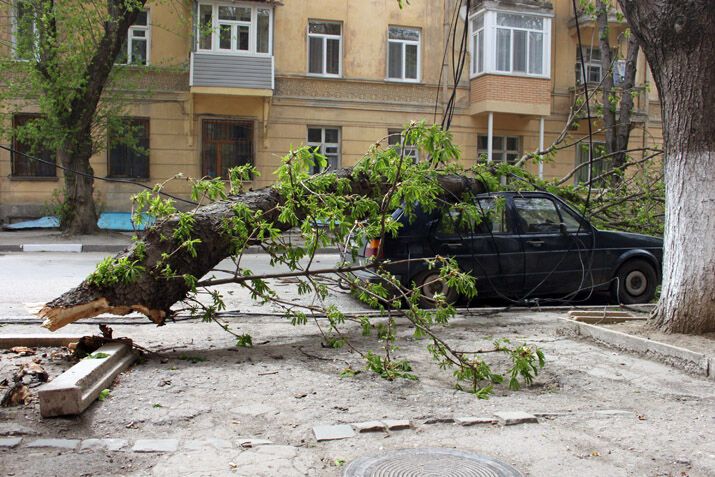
(28, 280)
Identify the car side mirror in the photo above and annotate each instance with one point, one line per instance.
(563, 229)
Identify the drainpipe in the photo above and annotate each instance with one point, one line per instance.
(490, 135)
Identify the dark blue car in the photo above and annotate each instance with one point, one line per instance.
(530, 245)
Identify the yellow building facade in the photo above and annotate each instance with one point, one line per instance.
(233, 82)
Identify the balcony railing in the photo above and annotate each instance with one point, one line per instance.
(232, 71)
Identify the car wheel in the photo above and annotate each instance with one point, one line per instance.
(635, 283)
(430, 284)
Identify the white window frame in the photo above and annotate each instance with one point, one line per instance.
(490, 43)
(503, 151)
(410, 150)
(252, 29)
(404, 44)
(322, 144)
(130, 39)
(473, 35)
(14, 25)
(325, 37)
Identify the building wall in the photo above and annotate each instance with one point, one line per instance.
(362, 103)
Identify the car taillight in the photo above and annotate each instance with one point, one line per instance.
(373, 249)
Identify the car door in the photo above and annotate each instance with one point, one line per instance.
(557, 259)
(489, 248)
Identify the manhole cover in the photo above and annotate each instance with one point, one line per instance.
(429, 462)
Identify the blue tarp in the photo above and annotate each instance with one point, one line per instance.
(107, 221)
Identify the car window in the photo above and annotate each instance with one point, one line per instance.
(485, 217)
(573, 223)
(537, 215)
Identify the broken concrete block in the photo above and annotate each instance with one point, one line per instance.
(73, 391)
(369, 426)
(330, 433)
(249, 442)
(397, 424)
(104, 444)
(473, 421)
(69, 444)
(10, 442)
(156, 445)
(510, 418)
(218, 444)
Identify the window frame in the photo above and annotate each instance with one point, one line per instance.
(110, 148)
(130, 39)
(250, 122)
(411, 150)
(15, 27)
(325, 37)
(582, 150)
(404, 44)
(504, 150)
(490, 28)
(17, 146)
(322, 145)
(216, 34)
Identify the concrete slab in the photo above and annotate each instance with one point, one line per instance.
(369, 426)
(10, 442)
(331, 433)
(397, 424)
(104, 444)
(473, 421)
(202, 444)
(37, 340)
(69, 444)
(52, 247)
(156, 445)
(511, 418)
(73, 391)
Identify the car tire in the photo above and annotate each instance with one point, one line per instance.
(635, 282)
(429, 284)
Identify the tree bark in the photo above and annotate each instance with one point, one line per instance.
(676, 37)
(153, 295)
(79, 216)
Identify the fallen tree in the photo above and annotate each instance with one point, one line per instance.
(137, 279)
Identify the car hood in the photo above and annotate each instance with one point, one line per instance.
(628, 239)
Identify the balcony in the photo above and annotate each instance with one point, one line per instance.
(640, 101)
(239, 75)
(492, 93)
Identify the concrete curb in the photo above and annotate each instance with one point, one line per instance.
(681, 358)
(73, 391)
(37, 341)
(100, 248)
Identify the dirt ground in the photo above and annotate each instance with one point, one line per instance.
(603, 412)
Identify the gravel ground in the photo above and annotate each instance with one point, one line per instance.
(602, 412)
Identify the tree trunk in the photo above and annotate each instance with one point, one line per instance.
(153, 295)
(79, 214)
(677, 38)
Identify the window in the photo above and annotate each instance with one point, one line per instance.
(592, 63)
(403, 54)
(396, 140)
(477, 25)
(22, 165)
(138, 44)
(226, 143)
(490, 219)
(25, 33)
(510, 43)
(599, 166)
(324, 48)
(129, 149)
(504, 148)
(327, 142)
(538, 215)
(236, 29)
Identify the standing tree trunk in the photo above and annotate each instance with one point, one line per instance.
(677, 38)
(616, 114)
(79, 214)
